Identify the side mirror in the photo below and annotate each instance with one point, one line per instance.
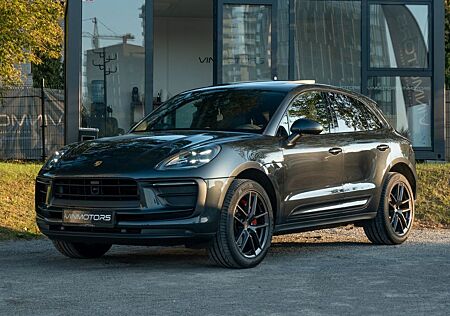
(306, 127)
(301, 127)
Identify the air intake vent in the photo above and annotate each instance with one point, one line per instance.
(181, 195)
(41, 192)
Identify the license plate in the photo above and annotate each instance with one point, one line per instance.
(89, 218)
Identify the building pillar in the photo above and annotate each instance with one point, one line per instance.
(148, 25)
(438, 16)
(72, 62)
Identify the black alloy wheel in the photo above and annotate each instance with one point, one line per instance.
(245, 228)
(251, 224)
(400, 209)
(395, 215)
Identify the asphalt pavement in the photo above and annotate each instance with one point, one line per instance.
(332, 272)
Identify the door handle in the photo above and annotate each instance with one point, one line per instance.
(383, 147)
(335, 151)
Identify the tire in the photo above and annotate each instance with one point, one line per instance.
(394, 220)
(81, 250)
(243, 242)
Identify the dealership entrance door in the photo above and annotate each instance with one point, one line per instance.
(183, 46)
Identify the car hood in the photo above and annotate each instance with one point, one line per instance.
(136, 151)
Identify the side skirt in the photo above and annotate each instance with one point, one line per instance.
(314, 224)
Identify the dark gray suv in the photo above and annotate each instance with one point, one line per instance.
(226, 168)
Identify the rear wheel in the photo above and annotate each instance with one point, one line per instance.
(245, 228)
(81, 250)
(395, 215)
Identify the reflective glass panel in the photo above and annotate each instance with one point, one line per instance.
(328, 42)
(399, 36)
(406, 103)
(283, 40)
(247, 38)
(112, 65)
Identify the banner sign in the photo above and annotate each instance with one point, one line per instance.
(410, 51)
(21, 123)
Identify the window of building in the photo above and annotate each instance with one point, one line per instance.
(406, 103)
(113, 65)
(327, 41)
(282, 72)
(247, 43)
(399, 36)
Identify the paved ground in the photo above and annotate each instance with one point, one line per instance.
(320, 273)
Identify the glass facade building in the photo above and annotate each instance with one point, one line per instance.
(125, 57)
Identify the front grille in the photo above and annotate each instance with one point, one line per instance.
(95, 189)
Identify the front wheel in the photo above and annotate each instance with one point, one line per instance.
(81, 250)
(395, 215)
(245, 228)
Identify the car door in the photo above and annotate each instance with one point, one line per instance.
(314, 165)
(363, 144)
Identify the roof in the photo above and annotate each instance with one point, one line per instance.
(283, 86)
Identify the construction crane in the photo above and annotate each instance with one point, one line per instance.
(96, 37)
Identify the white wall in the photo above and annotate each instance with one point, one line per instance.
(178, 45)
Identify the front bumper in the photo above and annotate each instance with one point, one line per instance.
(162, 233)
(143, 223)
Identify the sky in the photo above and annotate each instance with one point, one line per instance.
(119, 16)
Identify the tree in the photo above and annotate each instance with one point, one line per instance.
(52, 70)
(30, 32)
(447, 42)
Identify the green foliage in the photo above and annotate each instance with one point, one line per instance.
(29, 32)
(433, 195)
(17, 216)
(52, 70)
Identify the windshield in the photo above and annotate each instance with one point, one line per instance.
(221, 110)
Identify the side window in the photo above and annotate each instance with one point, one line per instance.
(349, 114)
(283, 129)
(311, 105)
(372, 120)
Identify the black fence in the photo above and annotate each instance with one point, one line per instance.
(31, 122)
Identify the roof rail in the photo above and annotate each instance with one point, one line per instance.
(305, 81)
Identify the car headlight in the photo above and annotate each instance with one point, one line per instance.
(54, 159)
(193, 158)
